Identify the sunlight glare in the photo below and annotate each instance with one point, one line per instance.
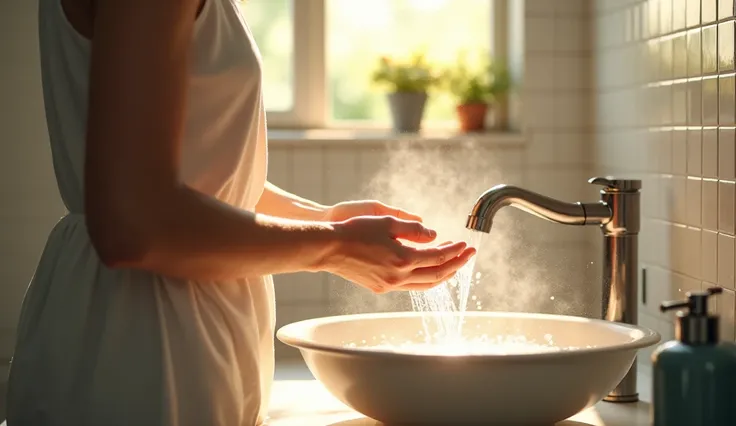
(427, 5)
(374, 15)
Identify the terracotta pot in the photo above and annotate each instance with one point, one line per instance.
(472, 117)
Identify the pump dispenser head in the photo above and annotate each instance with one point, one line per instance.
(695, 327)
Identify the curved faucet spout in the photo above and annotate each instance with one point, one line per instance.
(493, 200)
(618, 215)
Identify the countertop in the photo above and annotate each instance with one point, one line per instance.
(307, 403)
(299, 400)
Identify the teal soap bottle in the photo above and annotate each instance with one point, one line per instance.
(694, 376)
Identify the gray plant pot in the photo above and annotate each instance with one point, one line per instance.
(407, 110)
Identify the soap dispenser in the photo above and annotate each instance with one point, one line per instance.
(694, 376)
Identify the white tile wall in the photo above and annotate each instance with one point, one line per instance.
(684, 98)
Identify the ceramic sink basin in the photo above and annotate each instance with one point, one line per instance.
(576, 363)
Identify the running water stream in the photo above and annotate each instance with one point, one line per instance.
(449, 297)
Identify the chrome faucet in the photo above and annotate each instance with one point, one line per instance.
(618, 215)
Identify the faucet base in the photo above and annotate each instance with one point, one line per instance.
(622, 398)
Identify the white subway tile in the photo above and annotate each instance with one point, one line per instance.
(679, 56)
(541, 73)
(709, 10)
(726, 303)
(570, 72)
(680, 103)
(709, 256)
(542, 149)
(694, 153)
(709, 214)
(537, 8)
(726, 196)
(539, 34)
(308, 173)
(569, 35)
(692, 11)
(342, 175)
(300, 288)
(680, 208)
(726, 154)
(710, 153)
(710, 101)
(726, 261)
(694, 201)
(726, 45)
(693, 252)
(726, 101)
(279, 167)
(679, 152)
(694, 102)
(725, 9)
(694, 52)
(665, 16)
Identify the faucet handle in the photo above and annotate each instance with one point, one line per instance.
(615, 185)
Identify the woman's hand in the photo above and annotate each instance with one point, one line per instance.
(371, 255)
(350, 209)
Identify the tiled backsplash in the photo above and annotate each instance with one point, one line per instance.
(665, 102)
(528, 264)
(532, 261)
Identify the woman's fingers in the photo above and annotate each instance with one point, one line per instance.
(440, 272)
(397, 213)
(434, 256)
(425, 286)
(410, 231)
(403, 214)
(417, 287)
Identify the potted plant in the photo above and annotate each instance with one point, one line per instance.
(407, 83)
(476, 90)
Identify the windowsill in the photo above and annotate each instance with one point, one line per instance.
(338, 136)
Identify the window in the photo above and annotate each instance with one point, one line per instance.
(272, 23)
(318, 55)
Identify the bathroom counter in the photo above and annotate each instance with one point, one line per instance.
(307, 403)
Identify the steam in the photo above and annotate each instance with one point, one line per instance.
(441, 184)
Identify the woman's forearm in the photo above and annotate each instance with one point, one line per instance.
(198, 237)
(138, 213)
(279, 203)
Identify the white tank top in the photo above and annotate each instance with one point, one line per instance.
(121, 347)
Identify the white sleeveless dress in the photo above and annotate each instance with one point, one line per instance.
(102, 347)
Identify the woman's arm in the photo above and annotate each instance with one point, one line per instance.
(277, 202)
(139, 215)
(280, 203)
(138, 212)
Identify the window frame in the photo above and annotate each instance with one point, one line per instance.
(309, 88)
(310, 103)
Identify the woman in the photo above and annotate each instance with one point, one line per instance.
(152, 303)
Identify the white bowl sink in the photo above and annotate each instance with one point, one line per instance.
(537, 386)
